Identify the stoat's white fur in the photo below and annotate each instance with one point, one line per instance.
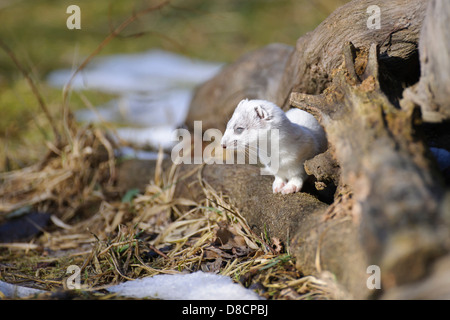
(300, 138)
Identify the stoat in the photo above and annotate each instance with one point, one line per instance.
(300, 138)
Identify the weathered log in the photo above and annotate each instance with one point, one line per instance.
(318, 53)
(433, 90)
(396, 196)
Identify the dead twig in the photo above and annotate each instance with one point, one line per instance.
(113, 34)
(34, 89)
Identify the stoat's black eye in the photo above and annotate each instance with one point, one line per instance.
(238, 130)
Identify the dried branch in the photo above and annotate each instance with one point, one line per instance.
(34, 88)
(114, 33)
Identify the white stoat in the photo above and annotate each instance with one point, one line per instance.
(300, 138)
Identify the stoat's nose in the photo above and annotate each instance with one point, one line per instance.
(222, 143)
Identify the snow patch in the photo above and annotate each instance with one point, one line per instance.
(154, 91)
(193, 286)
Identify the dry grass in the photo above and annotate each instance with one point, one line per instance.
(114, 238)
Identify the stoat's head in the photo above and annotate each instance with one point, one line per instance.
(250, 119)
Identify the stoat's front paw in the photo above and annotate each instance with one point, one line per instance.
(292, 187)
(278, 185)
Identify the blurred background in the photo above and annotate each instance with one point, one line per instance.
(212, 31)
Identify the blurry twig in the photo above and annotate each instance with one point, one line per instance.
(34, 88)
(172, 41)
(114, 33)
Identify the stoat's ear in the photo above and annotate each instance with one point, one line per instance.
(242, 102)
(262, 113)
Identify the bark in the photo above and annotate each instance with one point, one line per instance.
(433, 90)
(318, 53)
(396, 196)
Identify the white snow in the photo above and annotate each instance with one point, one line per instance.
(193, 286)
(154, 91)
(14, 291)
(151, 71)
(163, 137)
(127, 152)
